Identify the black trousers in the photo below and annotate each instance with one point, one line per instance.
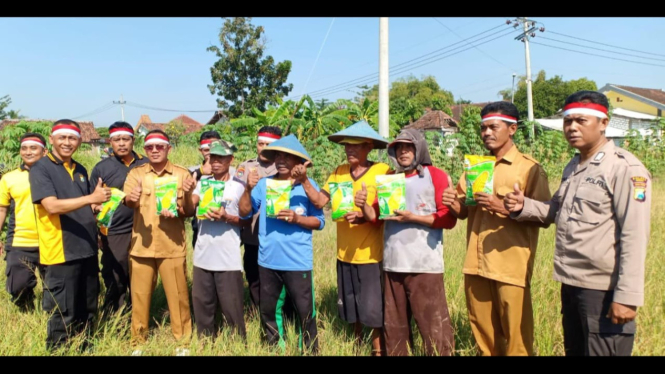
(275, 285)
(70, 293)
(115, 270)
(251, 266)
(586, 329)
(212, 287)
(21, 271)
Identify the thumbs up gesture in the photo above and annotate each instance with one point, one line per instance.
(299, 172)
(449, 194)
(514, 201)
(361, 197)
(135, 195)
(101, 194)
(252, 179)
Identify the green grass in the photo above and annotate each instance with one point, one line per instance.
(24, 334)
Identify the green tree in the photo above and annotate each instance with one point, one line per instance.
(548, 94)
(175, 130)
(410, 96)
(103, 132)
(243, 77)
(4, 103)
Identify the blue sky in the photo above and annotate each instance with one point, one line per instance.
(68, 67)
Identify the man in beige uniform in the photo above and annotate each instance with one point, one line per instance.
(500, 251)
(602, 215)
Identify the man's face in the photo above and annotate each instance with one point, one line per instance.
(122, 145)
(31, 153)
(496, 133)
(405, 154)
(157, 153)
(357, 153)
(285, 162)
(259, 147)
(583, 130)
(220, 164)
(65, 144)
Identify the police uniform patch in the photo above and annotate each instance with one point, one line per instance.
(640, 188)
(240, 172)
(81, 178)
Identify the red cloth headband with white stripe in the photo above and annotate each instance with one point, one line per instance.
(585, 108)
(66, 129)
(121, 131)
(205, 144)
(33, 141)
(503, 117)
(156, 138)
(268, 137)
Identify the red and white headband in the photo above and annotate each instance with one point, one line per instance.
(591, 109)
(33, 141)
(268, 137)
(156, 139)
(66, 129)
(121, 131)
(502, 117)
(205, 143)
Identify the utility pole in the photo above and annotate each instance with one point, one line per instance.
(384, 83)
(512, 90)
(529, 26)
(122, 108)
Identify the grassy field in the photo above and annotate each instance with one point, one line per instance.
(24, 334)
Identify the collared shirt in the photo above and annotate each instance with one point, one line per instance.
(62, 237)
(15, 194)
(498, 247)
(265, 170)
(359, 244)
(113, 172)
(602, 213)
(283, 245)
(154, 235)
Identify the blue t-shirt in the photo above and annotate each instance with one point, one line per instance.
(283, 245)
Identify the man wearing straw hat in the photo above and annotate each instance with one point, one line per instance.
(359, 243)
(285, 244)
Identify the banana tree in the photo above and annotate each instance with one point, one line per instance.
(368, 111)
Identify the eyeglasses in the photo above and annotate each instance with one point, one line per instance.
(158, 147)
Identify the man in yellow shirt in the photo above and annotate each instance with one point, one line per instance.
(22, 244)
(359, 243)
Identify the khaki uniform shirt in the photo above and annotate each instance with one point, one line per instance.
(154, 235)
(602, 213)
(500, 248)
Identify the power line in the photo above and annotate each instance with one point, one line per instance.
(318, 55)
(136, 105)
(479, 50)
(103, 108)
(604, 50)
(407, 68)
(593, 54)
(363, 78)
(608, 45)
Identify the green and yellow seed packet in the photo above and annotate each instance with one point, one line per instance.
(479, 176)
(391, 190)
(341, 199)
(212, 194)
(105, 217)
(278, 196)
(166, 192)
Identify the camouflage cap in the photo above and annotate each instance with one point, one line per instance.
(222, 148)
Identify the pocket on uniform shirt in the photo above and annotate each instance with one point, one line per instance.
(588, 205)
(600, 324)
